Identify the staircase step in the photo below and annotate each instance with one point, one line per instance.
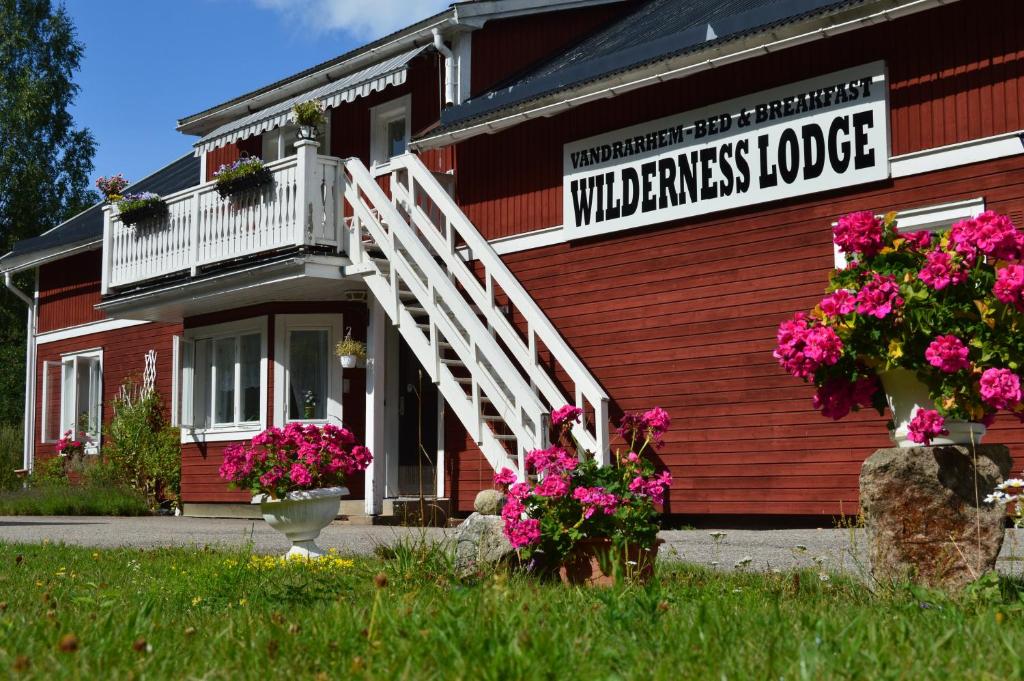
(492, 418)
(465, 380)
(504, 438)
(453, 362)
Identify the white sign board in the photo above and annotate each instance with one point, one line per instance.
(815, 135)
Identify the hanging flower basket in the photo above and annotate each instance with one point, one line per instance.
(938, 317)
(244, 175)
(350, 352)
(136, 208)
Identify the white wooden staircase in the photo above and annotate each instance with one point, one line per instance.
(453, 301)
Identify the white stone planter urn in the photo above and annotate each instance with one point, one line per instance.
(301, 515)
(906, 394)
(348, 361)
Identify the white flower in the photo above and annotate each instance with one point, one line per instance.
(823, 577)
(997, 497)
(744, 561)
(717, 534)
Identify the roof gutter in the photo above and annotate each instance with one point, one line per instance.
(657, 73)
(48, 256)
(30, 371)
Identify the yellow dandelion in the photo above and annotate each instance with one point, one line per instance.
(196, 600)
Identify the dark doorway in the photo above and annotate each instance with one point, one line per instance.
(417, 428)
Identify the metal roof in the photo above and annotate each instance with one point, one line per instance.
(656, 30)
(87, 226)
(359, 84)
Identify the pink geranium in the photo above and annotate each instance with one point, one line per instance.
(1009, 286)
(859, 233)
(595, 499)
(567, 414)
(941, 271)
(839, 303)
(926, 425)
(802, 349)
(505, 477)
(879, 296)
(552, 486)
(948, 354)
(837, 397)
(1000, 388)
(918, 240)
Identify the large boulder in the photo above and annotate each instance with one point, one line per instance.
(480, 540)
(927, 521)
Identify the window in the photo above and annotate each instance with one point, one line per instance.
(220, 379)
(73, 398)
(390, 131)
(308, 377)
(931, 218)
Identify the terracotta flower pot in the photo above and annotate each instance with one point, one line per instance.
(595, 562)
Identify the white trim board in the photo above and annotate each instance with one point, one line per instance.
(87, 330)
(904, 165)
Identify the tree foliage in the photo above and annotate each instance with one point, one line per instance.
(45, 160)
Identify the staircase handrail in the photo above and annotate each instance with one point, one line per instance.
(538, 323)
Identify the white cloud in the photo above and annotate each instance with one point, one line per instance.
(363, 19)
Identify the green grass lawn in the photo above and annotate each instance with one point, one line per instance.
(78, 613)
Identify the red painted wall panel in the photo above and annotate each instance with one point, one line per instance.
(683, 316)
(68, 290)
(124, 353)
(964, 82)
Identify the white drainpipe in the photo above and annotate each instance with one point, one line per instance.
(449, 68)
(30, 370)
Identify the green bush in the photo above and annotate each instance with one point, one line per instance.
(11, 451)
(143, 450)
(64, 499)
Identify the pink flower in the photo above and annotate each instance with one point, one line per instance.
(552, 486)
(838, 396)
(803, 349)
(948, 354)
(519, 490)
(553, 460)
(1000, 388)
(839, 303)
(270, 478)
(859, 233)
(940, 271)
(879, 296)
(504, 477)
(925, 425)
(656, 420)
(566, 414)
(919, 240)
(299, 474)
(522, 533)
(595, 498)
(1009, 286)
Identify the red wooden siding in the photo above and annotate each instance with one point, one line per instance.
(124, 353)
(965, 82)
(505, 48)
(684, 315)
(229, 153)
(68, 289)
(200, 481)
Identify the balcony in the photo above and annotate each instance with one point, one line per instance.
(300, 211)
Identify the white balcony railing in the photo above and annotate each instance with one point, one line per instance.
(301, 207)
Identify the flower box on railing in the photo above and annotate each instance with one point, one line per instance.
(136, 208)
(245, 174)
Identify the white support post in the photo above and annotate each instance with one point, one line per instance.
(305, 187)
(108, 250)
(376, 385)
(193, 232)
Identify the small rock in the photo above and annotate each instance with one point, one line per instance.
(924, 522)
(479, 540)
(489, 502)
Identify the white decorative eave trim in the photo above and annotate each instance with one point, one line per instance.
(14, 263)
(86, 330)
(477, 13)
(782, 37)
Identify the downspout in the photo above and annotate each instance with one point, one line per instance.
(30, 373)
(449, 68)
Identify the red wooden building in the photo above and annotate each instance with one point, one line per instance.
(519, 204)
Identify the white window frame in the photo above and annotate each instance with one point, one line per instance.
(92, 446)
(380, 116)
(931, 218)
(284, 324)
(224, 432)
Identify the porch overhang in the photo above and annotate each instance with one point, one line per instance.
(294, 278)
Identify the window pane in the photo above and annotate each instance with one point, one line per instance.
(224, 390)
(67, 398)
(88, 397)
(270, 142)
(202, 388)
(396, 137)
(307, 374)
(250, 367)
(291, 136)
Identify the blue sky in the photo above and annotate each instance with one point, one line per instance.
(165, 59)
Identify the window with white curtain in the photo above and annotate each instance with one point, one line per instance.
(308, 375)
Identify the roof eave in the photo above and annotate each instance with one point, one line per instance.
(420, 33)
(681, 66)
(12, 262)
